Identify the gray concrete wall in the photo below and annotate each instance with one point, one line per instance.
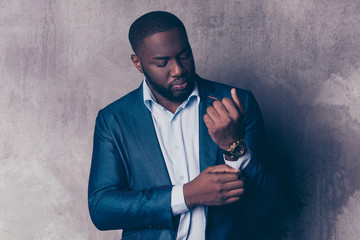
(61, 61)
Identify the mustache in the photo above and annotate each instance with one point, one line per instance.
(180, 80)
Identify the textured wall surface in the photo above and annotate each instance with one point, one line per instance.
(61, 61)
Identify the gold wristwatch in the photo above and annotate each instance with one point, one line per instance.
(237, 149)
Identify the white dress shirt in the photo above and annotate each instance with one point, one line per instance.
(178, 136)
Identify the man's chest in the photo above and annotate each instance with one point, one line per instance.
(178, 137)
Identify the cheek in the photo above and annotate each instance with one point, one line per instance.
(159, 75)
(189, 65)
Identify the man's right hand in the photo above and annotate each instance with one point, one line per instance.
(216, 185)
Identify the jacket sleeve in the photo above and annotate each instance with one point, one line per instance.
(112, 204)
(263, 187)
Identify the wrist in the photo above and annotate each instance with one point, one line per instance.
(236, 150)
(189, 196)
(230, 158)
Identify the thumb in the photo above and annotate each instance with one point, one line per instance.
(237, 101)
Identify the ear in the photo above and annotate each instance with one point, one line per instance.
(137, 63)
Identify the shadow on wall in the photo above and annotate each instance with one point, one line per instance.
(313, 154)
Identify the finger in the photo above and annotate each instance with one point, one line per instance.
(232, 185)
(231, 200)
(220, 108)
(233, 170)
(227, 170)
(234, 193)
(231, 107)
(208, 121)
(222, 178)
(237, 101)
(213, 114)
(222, 168)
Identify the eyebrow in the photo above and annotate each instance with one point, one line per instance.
(166, 58)
(160, 58)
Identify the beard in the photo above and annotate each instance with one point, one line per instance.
(168, 93)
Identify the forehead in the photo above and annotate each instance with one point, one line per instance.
(164, 43)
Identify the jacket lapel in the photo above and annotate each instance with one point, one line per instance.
(153, 160)
(146, 135)
(208, 150)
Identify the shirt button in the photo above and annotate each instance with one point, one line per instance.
(181, 178)
(177, 147)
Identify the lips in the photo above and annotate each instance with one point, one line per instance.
(180, 84)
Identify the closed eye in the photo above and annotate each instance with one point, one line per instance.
(163, 64)
(185, 55)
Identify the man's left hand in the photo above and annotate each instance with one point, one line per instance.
(223, 120)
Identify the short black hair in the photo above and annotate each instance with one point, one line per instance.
(151, 23)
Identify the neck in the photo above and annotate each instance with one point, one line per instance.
(166, 103)
(169, 104)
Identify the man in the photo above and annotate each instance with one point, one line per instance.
(179, 157)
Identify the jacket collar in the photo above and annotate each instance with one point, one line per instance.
(146, 134)
(147, 139)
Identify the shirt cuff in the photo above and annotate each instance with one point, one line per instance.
(178, 205)
(241, 162)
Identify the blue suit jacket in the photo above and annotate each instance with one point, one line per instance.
(130, 188)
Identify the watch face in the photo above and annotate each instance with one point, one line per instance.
(239, 150)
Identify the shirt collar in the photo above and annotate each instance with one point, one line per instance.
(150, 99)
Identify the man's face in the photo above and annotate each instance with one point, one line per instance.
(168, 65)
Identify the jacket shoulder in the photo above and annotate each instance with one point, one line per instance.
(123, 104)
(221, 90)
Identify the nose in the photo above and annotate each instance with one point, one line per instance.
(177, 69)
